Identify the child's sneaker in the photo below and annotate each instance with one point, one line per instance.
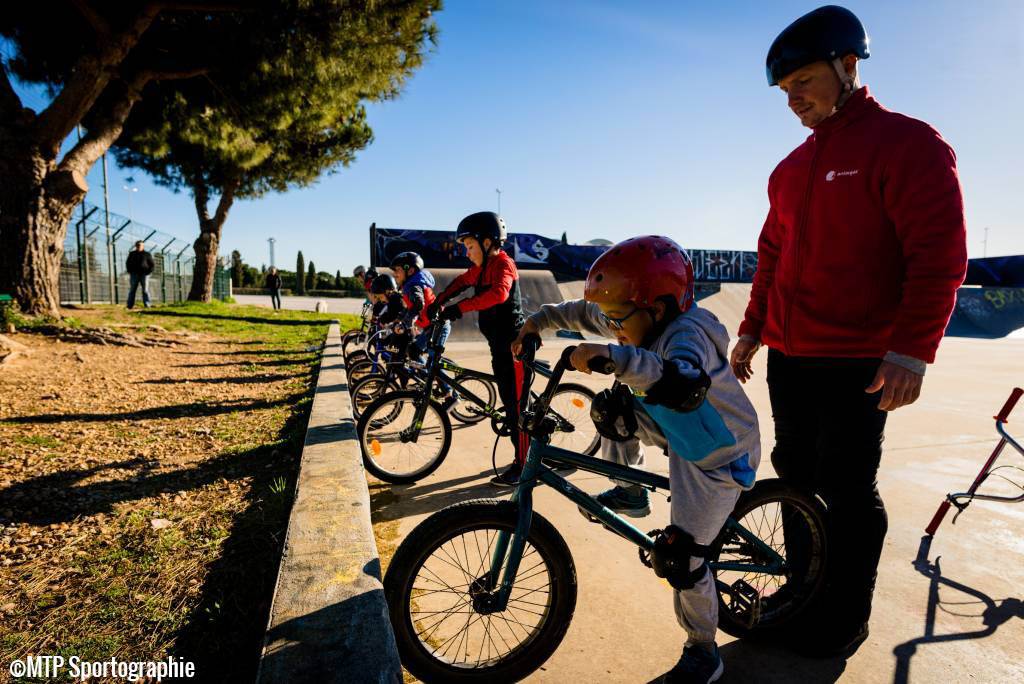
(631, 502)
(698, 665)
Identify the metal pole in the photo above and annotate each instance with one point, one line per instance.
(499, 200)
(984, 249)
(106, 222)
(79, 227)
(271, 241)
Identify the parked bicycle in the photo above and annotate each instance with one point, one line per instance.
(484, 591)
(405, 434)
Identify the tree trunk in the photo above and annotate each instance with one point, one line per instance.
(36, 202)
(208, 242)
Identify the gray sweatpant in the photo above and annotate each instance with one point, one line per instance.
(701, 502)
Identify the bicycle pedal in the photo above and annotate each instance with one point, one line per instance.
(745, 603)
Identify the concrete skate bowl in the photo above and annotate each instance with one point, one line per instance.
(535, 288)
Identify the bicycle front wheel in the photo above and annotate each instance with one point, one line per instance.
(394, 448)
(793, 525)
(438, 587)
(575, 431)
(466, 412)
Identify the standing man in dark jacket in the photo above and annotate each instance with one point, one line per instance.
(139, 265)
(273, 284)
(859, 261)
(494, 279)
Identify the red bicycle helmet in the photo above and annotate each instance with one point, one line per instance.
(640, 270)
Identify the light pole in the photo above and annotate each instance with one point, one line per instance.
(130, 189)
(499, 200)
(984, 244)
(271, 241)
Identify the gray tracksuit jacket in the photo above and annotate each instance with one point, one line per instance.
(724, 429)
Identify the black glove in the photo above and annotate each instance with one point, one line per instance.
(451, 313)
(433, 309)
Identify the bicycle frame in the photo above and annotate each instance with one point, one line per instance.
(435, 369)
(536, 471)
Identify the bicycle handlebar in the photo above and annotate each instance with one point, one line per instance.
(1011, 401)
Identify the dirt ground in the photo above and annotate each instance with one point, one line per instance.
(144, 492)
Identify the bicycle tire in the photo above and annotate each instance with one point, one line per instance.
(805, 516)
(432, 534)
(365, 433)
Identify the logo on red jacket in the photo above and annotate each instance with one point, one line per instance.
(831, 175)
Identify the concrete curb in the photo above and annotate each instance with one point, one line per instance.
(329, 620)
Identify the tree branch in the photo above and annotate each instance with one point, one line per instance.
(201, 195)
(92, 72)
(90, 75)
(107, 128)
(98, 23)
(227, 197)
(10, 103)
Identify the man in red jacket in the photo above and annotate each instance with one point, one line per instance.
(859, 261)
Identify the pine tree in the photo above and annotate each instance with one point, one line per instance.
(300, 269)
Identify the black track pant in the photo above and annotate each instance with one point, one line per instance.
(828, 441)
(513, 379)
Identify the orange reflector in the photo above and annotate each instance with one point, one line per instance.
(577, 402)
(375, 447)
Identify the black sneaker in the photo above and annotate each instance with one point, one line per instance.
(698, 665)
(508, 478)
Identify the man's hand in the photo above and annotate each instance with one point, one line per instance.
(900, 387)
(528, 328)
(742, 355)
(586, 351)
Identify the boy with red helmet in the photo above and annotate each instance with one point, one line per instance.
(684, 400)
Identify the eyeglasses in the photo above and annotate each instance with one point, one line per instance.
(616, 323)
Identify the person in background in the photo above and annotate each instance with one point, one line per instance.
(139, 265)
(273, 284)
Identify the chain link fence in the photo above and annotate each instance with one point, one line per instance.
(92, 269)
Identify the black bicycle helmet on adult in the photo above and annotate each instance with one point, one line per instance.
(407, 260)
(383, 284)
(483, 224)
(825, 34)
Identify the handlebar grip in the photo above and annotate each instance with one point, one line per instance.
(602, 365)
(531, 343)
(1010, 403)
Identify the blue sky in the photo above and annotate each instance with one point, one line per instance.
(609, 119)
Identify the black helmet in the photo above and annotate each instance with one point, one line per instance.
(827, 33)
(483, 224)
(407, 260)
(359, 271)
(383, 284)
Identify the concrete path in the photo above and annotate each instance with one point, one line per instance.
(624, 629)
(351, 305)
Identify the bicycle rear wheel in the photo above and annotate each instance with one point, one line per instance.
(575, 429)
(438, 585)
(350, 343)
(793, 525)
(385, 431)
(368, 389)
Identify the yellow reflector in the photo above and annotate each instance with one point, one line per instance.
(577, 402)
(375, 447)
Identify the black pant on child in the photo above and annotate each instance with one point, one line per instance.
(828, 441)
(513, 377)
